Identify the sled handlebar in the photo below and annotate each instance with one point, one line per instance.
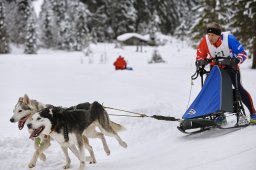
(228, 62)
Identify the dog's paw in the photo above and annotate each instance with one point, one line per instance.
(108, 153)
(106, 149)
(90, 160)
(123, 144)
(66, 167)
(82, 165)
(31, 165)
(42, 156)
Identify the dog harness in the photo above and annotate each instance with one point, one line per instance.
(65, 133)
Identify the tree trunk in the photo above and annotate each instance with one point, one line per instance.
(254, 59)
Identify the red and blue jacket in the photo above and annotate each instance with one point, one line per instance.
(236, 49)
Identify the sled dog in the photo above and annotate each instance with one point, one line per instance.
(67, 127)
(26, 107)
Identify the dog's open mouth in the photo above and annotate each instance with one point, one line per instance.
(36, 132)
(22, 121)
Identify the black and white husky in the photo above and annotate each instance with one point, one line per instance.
(26, 107)
(68, 126)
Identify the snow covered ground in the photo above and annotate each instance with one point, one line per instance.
(67, 78)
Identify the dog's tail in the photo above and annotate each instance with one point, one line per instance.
(99, 113)
(107, 127)
(116, 127)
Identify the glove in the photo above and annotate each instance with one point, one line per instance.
(240, 58)
(237, 61)
(230, 62)
(201, 63)
(227, 62)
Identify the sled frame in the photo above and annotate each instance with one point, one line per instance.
(238, 108)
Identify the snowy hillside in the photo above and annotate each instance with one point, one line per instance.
(67, 78)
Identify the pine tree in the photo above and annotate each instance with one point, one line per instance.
(97, 19)
(108, 19)
(123, 13)
(252, 15)
(79, 14)
(144, 16)
(48, 31)
(156, 58)
(59, 8)
(167, 14)
(244, 23)
(82, 31)
(186, 17)
(153, 27)
(4, 41)
(31, 38)
(208, 11)
(22, 13)
(67, 39)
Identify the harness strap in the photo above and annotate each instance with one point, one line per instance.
(66, 133)
(158, 117)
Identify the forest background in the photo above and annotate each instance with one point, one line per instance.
(72, 25)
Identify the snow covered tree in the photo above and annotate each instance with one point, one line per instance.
(48, 26)
(31, 38)
(96, 19)
(82, 32)
(59, 8)
(186, 17)
(10, 16)
(121, 17)
(108, 19)
(244, 13)
(167, 14)
(78, 13)
(22, 13)
(64, 24)
(4, 41)
(252, 15)
(67, 40)
(144, 16)
(208, 11)
(156, 58)
(153, 27)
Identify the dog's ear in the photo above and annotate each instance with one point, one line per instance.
(56, 110)
(26, 99)
(20, 100)
(53, 109)
(46, 112)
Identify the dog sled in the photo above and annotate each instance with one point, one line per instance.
(218, 100)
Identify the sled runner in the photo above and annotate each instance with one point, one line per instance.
(216, 101)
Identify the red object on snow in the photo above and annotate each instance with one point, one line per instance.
(120, 63)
